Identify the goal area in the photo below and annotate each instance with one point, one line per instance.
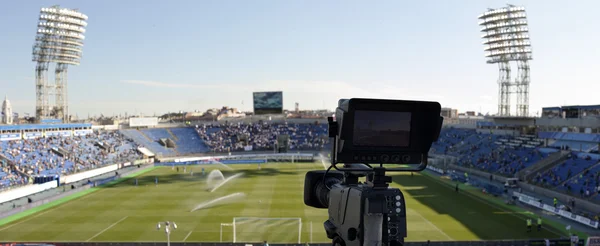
(259, 229)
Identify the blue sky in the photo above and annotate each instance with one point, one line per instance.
(157, 56)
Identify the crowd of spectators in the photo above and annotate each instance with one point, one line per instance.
(579, 175)
(486, 151)
(8, 178)
(262, 136)
(503, 160)
(559, 174)
(63, 155)
(115, 148)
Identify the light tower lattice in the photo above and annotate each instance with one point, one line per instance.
(59, 40)
(506, 40)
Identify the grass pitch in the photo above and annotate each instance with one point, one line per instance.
(125, 212)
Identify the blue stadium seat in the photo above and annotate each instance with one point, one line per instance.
(148, 142)
(575, 145)
(156, 133)
(492, 153)
(575, 141)
(562, 172)
(588, 180)
(188, 141)
(36, 156)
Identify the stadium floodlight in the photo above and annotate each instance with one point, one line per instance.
(168, 226)
(506, 39)
(59, 40)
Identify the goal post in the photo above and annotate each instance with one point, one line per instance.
(221, 230)
(258, 229)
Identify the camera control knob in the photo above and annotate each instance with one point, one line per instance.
(406, 159)
(396, 159)
(385, 158)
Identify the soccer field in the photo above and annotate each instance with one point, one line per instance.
(125, 212)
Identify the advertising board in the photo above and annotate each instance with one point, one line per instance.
(143, 121)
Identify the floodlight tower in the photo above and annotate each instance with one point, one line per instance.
(506, 39)
(59, 39)
(169, 227)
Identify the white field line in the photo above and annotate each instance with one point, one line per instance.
(491, 204)
(86, 196)
(323, 161)
(188, 235)
(38, 215)
(52, 209)
(432, 225)
(107, 228)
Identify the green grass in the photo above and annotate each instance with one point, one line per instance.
(124, 212)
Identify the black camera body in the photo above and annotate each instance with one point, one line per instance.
(371, 131)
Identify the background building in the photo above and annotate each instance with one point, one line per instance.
(7, 114)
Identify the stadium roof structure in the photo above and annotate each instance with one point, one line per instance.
(491, 124)
(588, 107)
(550, 108)
(582, 107)
(43, 127)
(513, 121)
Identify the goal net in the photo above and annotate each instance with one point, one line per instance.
(259, 229)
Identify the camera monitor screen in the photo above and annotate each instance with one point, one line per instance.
(381, 129)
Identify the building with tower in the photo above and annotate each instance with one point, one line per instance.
(7, 113)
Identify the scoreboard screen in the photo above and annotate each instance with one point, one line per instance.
(268, 102)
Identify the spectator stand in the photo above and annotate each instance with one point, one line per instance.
(500, 154)
(262, 136)
(485, 187)
(578, 176)
(581, 142)
(50, 150)
(146, 141)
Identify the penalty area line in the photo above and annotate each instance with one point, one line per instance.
(47, 210)
(188, 235)
(491, 204)
(431, 224)
(107, 228)
(33, 217)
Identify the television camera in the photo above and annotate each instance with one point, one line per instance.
(395, 135)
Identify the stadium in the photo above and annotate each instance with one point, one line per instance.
(226, 177)
(49, 179)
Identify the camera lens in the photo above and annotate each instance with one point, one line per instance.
(322, 190)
